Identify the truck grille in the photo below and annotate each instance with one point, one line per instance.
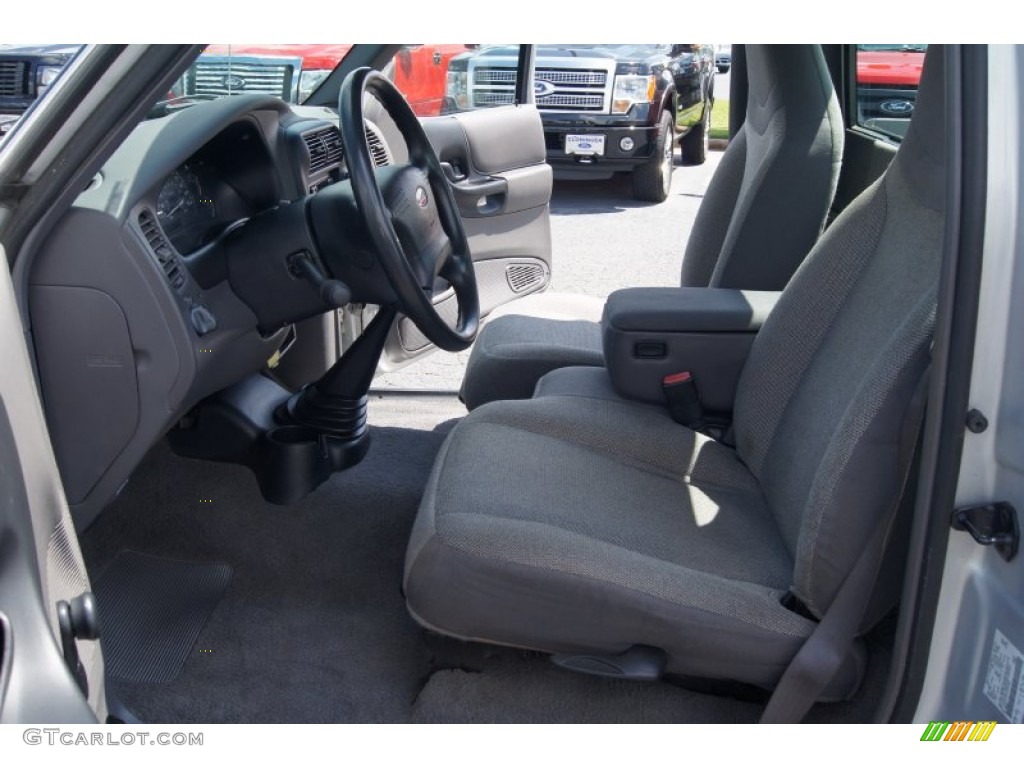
(14, 78)
(578, 90)
(582, 77)
(223, 75)
(495, 75)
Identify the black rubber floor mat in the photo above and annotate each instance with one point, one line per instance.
(152, 610)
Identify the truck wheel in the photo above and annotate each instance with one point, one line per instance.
(653, 179)
(695, 143)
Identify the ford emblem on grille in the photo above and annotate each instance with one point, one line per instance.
(421, 197)
(542, 88)
(233, 82)
(900, 107)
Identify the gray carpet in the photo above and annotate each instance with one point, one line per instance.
(313, 627)
(501, 685)
(534, 691)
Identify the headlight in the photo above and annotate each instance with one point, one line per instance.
(457, 88)
(309, 81)
(632, 89)
(45, 77)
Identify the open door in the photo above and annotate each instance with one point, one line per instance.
(495, 162)
(494, 155)
(51, 667)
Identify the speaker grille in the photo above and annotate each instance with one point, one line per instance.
(523, 277)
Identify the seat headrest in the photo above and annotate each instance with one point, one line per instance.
(790, 77)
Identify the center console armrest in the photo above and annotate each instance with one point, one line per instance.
(650, 333)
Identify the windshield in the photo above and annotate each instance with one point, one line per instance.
(295, 71)
(290, 71)
(896, 47)
(622, 49)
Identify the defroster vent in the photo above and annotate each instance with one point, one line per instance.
(378, 149)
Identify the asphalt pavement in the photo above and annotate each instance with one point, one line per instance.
(602, 240)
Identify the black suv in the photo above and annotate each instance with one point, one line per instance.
(605, 108)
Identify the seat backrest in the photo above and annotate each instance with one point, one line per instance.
(822, 399)
(771, 193)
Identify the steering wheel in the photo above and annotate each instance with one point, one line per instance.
(410, 214)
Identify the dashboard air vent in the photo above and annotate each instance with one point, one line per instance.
(165, 255)
(378, 149)
(324, 147)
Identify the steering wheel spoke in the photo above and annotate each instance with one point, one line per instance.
(433, 260)
(411, 216)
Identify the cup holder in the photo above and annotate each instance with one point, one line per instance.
(294, 461)
(249, 423)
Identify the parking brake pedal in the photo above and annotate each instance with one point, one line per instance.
(641, 662)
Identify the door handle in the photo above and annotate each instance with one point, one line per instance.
(484, 197)
(486, 187)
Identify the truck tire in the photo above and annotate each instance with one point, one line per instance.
(695, 143)
(653, 179)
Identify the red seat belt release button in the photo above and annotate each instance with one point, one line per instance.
(683, 400)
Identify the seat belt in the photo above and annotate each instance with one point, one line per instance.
(823, 653)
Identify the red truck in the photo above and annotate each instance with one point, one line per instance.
(887, 80)
(294, 71)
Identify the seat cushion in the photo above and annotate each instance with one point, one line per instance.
(573, 524)
(587, 382)
(513, 351)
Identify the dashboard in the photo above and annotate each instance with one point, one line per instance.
(132, 312)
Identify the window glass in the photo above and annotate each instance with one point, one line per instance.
(289, 71)
(26, 73)
(887, 80)
(440, 79)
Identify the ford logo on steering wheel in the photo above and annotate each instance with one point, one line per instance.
(542, 88)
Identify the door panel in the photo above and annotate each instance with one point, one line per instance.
(495, 163)
(976, 659)
(40, 562)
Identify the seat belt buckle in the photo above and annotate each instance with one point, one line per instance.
(683, 400)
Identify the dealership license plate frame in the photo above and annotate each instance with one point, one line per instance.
(584, 144)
